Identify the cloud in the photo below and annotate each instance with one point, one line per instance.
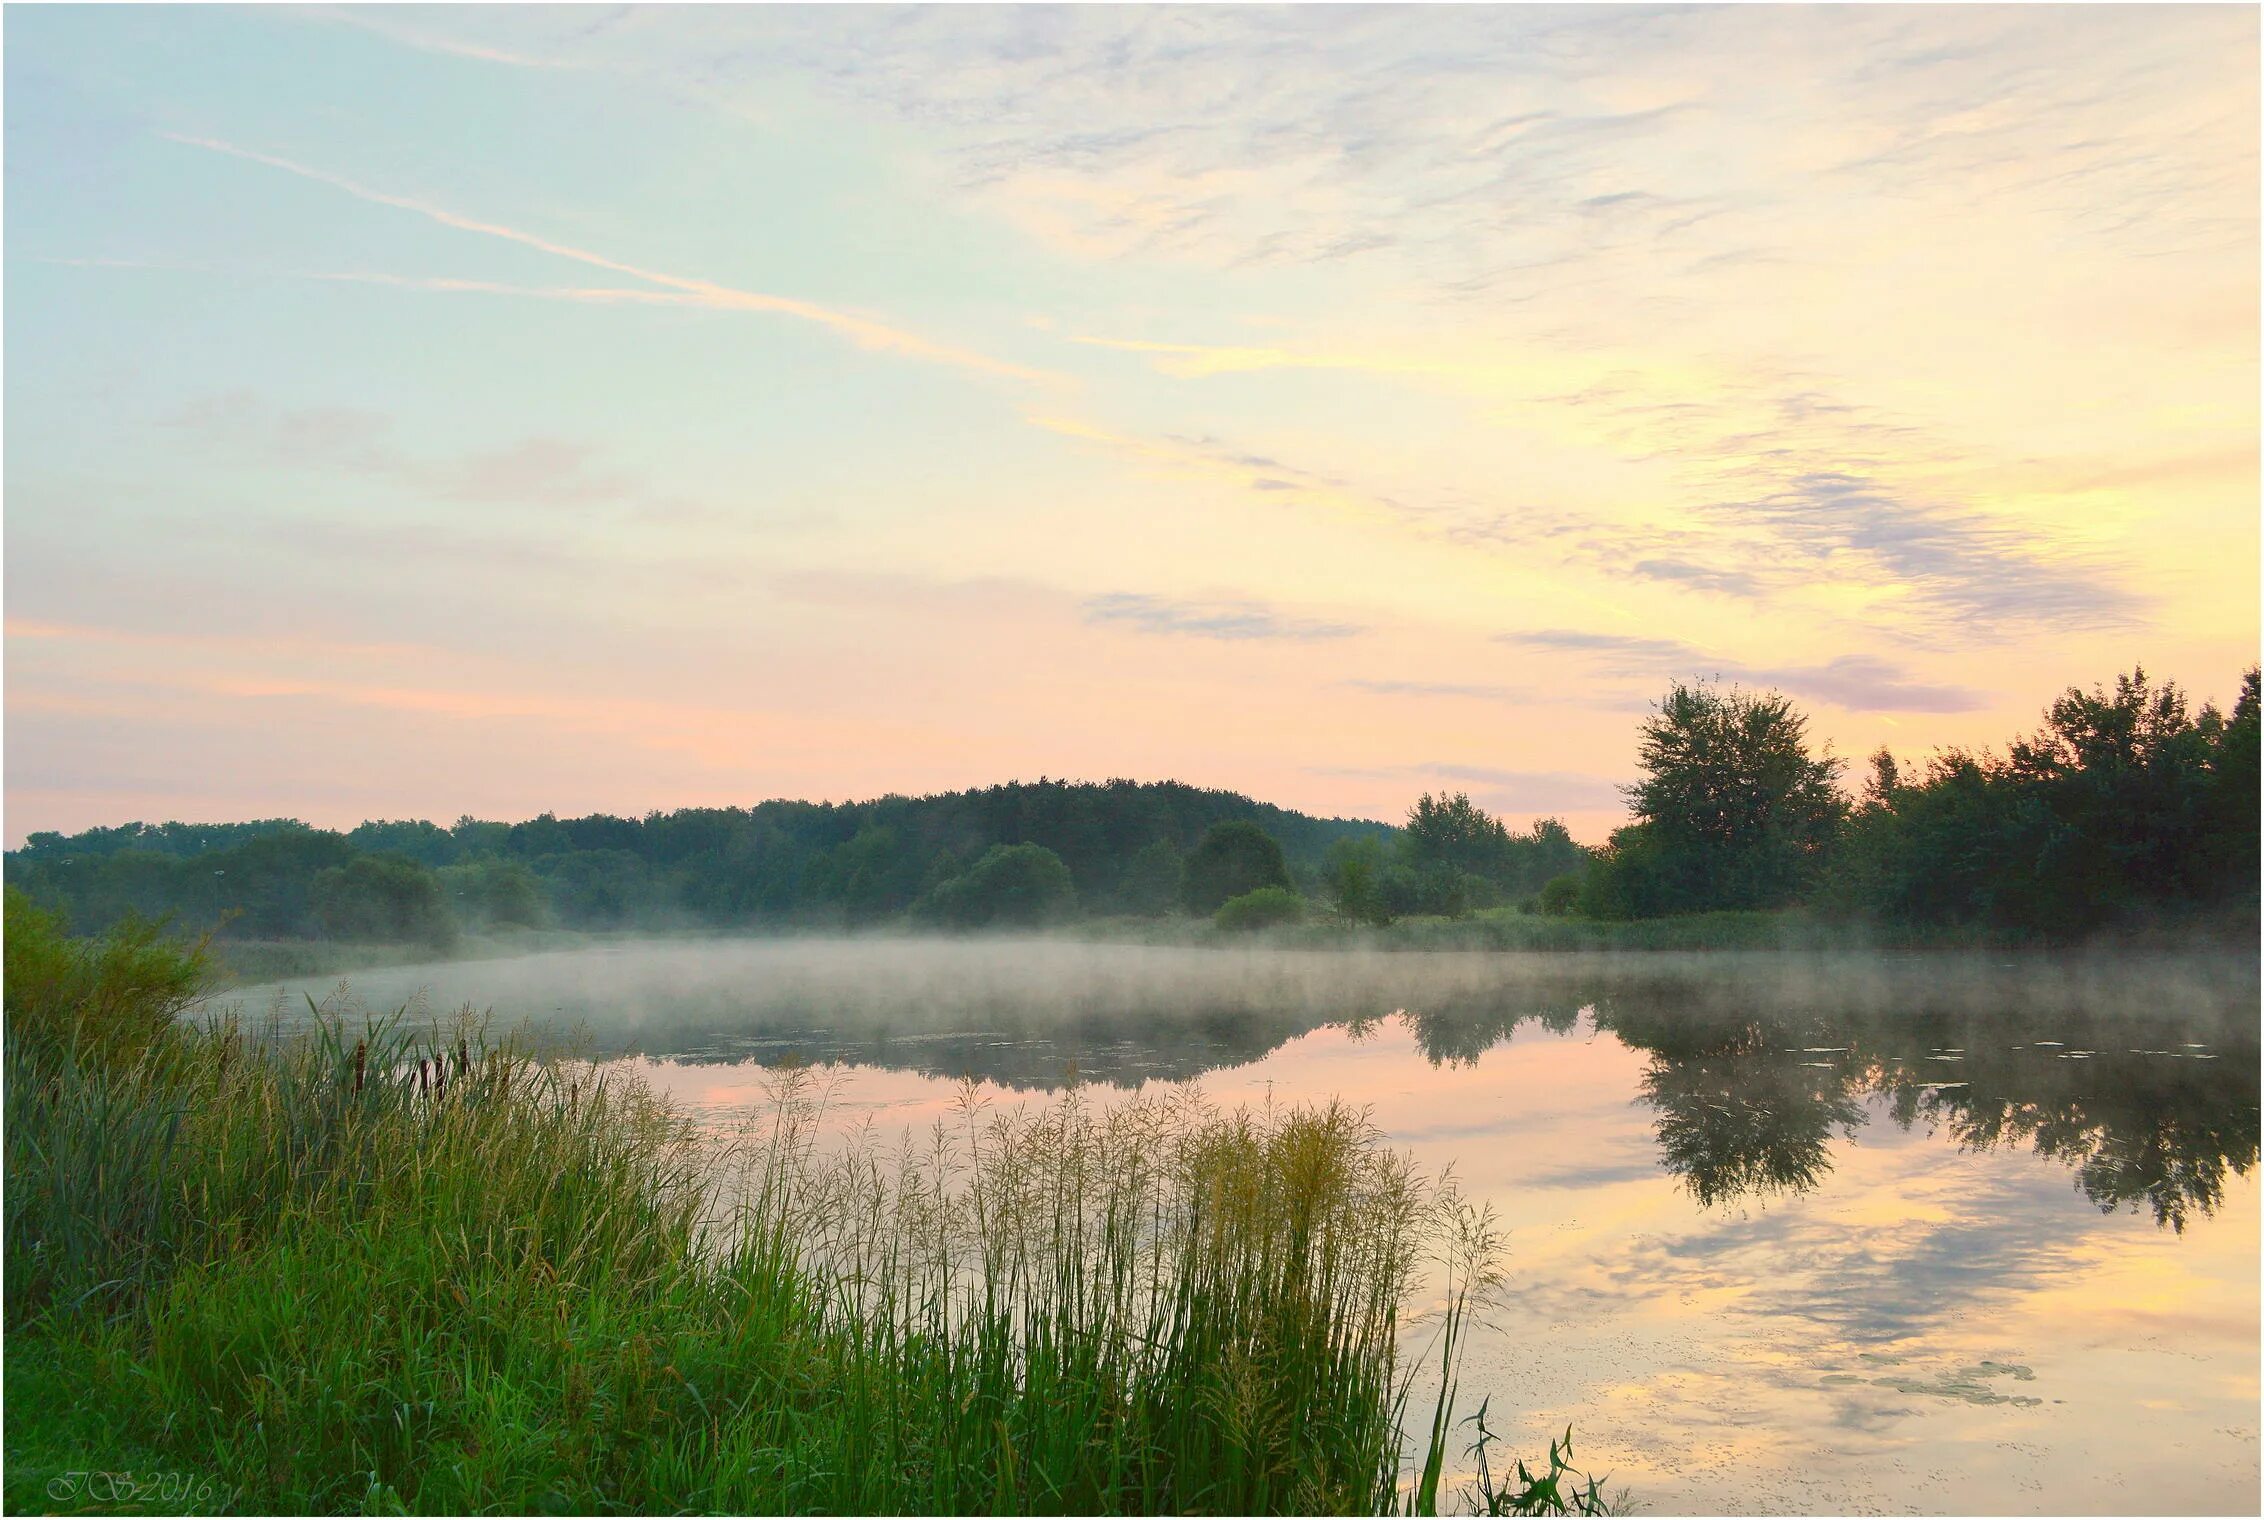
(535, 470)
(1210, 620)
(1859, 683)
(1650, 652)
(1862, 684)
(1968, 568)
(865, 332)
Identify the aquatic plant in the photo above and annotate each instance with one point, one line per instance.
(397, 1267)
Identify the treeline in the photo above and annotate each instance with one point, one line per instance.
(1017, 853)
(2127, 809)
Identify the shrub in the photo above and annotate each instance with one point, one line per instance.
(105, 1002)
(1263, 909)
(1559, 894)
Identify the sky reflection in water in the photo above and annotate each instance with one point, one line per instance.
(1786, 1234)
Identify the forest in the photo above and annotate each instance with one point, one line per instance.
(2129, 807)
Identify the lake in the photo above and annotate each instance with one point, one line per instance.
(1786, 1233)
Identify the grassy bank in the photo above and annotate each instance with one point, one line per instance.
(376, 1269)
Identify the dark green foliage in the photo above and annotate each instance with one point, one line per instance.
(388, 898)
(1233, 858)
(1559, 895)
(1353, 876)
(1468, 856)
(106, 1001)
(1266, 908)
(789, 863)
(1435, 891)
(1155, 879)
(1732, 811)
(2124, 806)
(496, 894)
(1017, 885)
(1453, 831)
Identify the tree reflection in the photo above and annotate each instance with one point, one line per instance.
(1738, 1118)
(2150, 1126)
(2149, 1111)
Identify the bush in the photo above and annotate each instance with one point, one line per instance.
(1263, 909)
(1559, 894)
(105, 1002)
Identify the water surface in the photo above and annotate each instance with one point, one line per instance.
(1787, 1234)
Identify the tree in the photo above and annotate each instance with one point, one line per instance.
(1455, 833)
(1541, 855)
(1732, 811)
(1235, 857)
(388, 898)
(2123, 805)
(1012, 884)
(1354, 877)
(1154, 880)
(497, 893)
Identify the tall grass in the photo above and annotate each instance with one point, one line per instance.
(374, 1268)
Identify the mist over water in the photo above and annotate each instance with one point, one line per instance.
(1787, 1232)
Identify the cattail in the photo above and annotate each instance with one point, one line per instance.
(420, 1074)
(463, 1057)
(361, 1056)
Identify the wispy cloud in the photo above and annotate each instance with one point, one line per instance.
(1859, 683)
(1649, 653)
(1210, 620)
(865, 332)
(537, 470)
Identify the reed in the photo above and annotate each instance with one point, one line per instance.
(387, 1267)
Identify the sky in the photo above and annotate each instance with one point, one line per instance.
(418, 411)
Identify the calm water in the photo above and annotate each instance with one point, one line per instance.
(1787, 1234)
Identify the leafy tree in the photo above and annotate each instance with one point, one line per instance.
(1354, 879)
(1012, 884)
(1154, 880)
(1732, 811)
(2124, 805)
(266, 883)
(1455, 833)
(497, 893)
(382, 897)
(1235, 857)
(1559, 895)
(1542, 854)
(596, 889)
(2231, 860)
(422, 842)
